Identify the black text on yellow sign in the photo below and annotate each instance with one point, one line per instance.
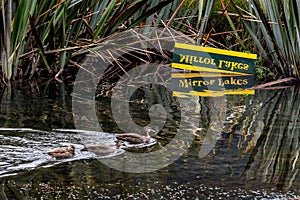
(199, 84)
(207, 59)
(219, 71)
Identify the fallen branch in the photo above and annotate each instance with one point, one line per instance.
(263, 86)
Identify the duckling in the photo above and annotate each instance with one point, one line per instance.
(62, 152)
(135, 138)
(102, 149)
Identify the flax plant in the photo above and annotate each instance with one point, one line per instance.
(55, 27)
(47, 33)
(274, 27)
(13, 28)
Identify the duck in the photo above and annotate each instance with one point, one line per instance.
(135, 138)
(62, 153)
(102, 149)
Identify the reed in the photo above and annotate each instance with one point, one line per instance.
(44, 31)
(274, 28)
(37, 35)
(13, 28)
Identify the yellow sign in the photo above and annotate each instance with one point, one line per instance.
(219, 71)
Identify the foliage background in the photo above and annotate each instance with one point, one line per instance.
(47, 38)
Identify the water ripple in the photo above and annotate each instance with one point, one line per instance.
(22, 148)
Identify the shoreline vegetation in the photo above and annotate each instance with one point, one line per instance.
(48, 39)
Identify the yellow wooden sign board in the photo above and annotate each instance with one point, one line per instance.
(212, 72)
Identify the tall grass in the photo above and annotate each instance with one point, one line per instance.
(45, 33)
(53, 27)
(13, 28)
(274, 27)
(37, 35)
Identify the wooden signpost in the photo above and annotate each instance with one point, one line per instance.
(211, 71)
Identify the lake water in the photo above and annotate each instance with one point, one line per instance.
(233, 147)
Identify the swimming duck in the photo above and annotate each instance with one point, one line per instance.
(102, 149)
(62, 152)
(136, 138)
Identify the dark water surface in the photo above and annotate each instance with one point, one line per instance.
(256, 154)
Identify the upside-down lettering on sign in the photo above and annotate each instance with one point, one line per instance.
(211, 71)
